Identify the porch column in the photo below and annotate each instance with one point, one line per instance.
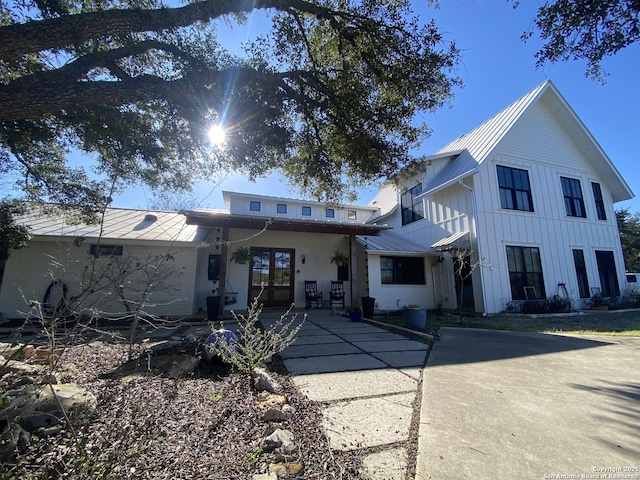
(353, 269)
(224, 260)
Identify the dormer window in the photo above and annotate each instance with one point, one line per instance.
(281, 208)
(330, 213)
(412, 208)
(352, 215)
(306, 211)
(254, 206)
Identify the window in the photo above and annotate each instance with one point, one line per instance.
(412, 209)
(281, 208)
(352, 215)
(607, 272)
(330, 213)
(597, 197)
(254, 206)
(525, 270)
(402, 270)
(106, 250)
(515, 190)
(306, 211)
(573, 201)
(581, 273)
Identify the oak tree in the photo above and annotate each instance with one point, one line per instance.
(588, 30)
(328, 97)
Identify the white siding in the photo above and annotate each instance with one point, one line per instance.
(548, 227)
(30, 270)
(394, 297)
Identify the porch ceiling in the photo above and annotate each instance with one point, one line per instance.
(205, 219)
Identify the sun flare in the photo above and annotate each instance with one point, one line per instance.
(217, 135)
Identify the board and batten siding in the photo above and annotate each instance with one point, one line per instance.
(538, 145)
(30, 270)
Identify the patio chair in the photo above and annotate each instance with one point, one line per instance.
(311, 294)
(336, 294)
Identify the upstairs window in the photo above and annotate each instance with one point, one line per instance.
(352, 215)
(573, 200)
(306, 211)
(412, 209)
(254, 206)
(281, 208)
(597, 197)
(515, 190)
(330, 213)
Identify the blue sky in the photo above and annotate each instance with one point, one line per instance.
(496, 68)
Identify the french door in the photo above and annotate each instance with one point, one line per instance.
(272, 269)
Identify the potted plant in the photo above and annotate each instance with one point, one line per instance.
(598, 302)
(241, 255)
(339, 258)
(355, 313)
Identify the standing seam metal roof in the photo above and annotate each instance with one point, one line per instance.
(119, 224)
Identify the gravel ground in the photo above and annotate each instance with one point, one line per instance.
(206, 426)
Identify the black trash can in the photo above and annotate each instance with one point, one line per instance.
(368, 303)
(213, 307)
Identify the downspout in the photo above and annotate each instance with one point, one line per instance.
(474, 208)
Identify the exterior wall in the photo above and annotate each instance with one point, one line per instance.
(395, 297)
(446, 212)
(30, 270)
(548, 227)
(241, 205)
(317, 248)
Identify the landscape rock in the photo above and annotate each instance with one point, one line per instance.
(281, 440)
(269, 400)
(38, 407)
(288, 409)
(273, 415)
(18, 351)
(16, 439)
(265, 382)
(286, 468)
(265, 476)
(14, 366)
(172, 366)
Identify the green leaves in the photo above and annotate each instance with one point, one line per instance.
(328, 97)
(588, 30)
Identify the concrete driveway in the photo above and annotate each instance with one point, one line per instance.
(506, 405)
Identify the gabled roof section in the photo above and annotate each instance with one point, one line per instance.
(390, 243)
(483, 140)
(457, 169)
(119, 224)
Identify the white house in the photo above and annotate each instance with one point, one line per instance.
(523, 206)
(529, 194)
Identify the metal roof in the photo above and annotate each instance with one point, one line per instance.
(225, 219)
(484, 139)
(456, 169)
(453, 242)
(119, 224)
(391, 243)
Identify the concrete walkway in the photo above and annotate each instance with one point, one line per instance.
(366, 380)
(530, 406)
